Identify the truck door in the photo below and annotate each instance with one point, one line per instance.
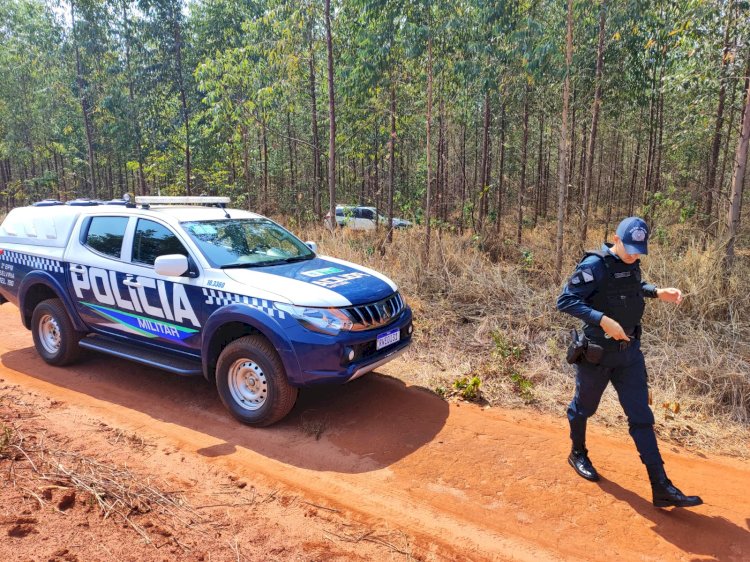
(173, 306)
(117, 291)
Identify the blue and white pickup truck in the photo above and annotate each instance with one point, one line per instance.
(194, 288)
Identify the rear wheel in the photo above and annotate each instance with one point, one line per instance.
(55, 338)
(252, 383)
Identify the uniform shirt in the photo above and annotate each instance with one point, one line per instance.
(583, 285)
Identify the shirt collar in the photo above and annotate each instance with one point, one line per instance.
(608, 247)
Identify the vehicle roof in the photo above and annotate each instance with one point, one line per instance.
(52, 225)
(195, 213)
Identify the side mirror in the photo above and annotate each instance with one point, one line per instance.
(312, 245)
(172, 265)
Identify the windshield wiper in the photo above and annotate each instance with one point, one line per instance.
(268, 262)
(242, 264)
(299, 258)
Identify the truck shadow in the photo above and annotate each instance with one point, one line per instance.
(712, 538)
(362, 426)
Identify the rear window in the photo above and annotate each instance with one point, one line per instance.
(105, 235)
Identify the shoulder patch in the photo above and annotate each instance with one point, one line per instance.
(581, 277)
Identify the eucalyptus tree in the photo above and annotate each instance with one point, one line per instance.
(90, 43)
(171, 50)
(738, 179)
(564, 149)
(37, 115)
(375, 59)
(595, 108)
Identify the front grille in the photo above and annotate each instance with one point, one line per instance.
(373, 315)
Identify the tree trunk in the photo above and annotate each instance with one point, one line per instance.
(439, 187)
(573, 144)
(332, 122)
(177, 33)
(134, 113)
(485, 158)
(317, 186)
(524, 159)
(428, 201)
(292, 172)
(634, 177)
(720, 191)
(735, 199)
(539, 168)
(594, 123)
(563, 164)
(658, 150)
(264, 146)
(463, 180)
(709, 226)
(392, 166)
(85, 104)
(651, 140)
(501, 172)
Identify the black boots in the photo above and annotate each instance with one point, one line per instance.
(665, 493)
(579, 460)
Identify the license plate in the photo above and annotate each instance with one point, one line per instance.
(388, 338)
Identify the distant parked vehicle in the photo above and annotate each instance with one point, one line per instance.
(362, 218)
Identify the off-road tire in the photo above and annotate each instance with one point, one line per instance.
(252, 382)
(55, 338)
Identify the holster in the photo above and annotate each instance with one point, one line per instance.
(577, 347)
(581, 348)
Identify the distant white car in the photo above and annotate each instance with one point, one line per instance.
(362, 218)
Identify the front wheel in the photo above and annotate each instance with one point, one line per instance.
(55, 338)
(252, 383)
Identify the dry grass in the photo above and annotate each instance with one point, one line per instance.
(497, 320)
(39, 463)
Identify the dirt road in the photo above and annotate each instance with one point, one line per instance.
(459, 482)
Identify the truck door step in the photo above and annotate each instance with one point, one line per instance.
(140, 354)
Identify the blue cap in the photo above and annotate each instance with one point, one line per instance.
(633, 231)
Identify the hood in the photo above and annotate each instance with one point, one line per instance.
(319, 282)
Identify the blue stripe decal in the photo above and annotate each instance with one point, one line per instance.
(142, 325)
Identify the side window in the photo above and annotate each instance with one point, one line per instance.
(105, 235)
(152, 240)
(368, 214)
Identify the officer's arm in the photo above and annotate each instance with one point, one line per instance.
(579, 289)
(649, 290)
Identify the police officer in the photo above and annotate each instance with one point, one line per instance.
(607, 293)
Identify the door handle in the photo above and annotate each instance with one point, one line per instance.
(130, 282)
(77, 268)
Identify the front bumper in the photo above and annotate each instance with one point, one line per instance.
(324, 359)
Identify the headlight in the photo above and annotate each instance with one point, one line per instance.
(324, 320)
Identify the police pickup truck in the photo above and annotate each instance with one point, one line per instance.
(192, 287)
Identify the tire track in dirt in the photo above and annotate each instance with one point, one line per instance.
(467, 483)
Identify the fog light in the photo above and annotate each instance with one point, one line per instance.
(349, 353)
(411, 329)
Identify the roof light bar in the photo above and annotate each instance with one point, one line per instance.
(169, 200)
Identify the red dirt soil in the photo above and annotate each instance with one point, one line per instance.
(372, 470)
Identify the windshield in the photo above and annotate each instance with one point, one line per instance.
(246, 242)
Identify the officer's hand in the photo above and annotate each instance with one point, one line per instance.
(669, 294)
(613, 329)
